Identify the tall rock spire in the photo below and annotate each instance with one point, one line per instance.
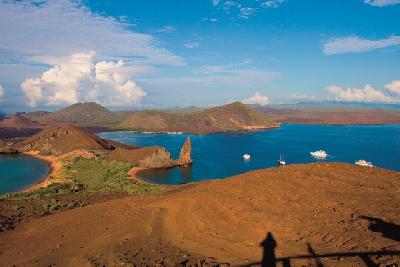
(185, 157)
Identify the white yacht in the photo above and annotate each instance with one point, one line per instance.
(281, 160)
(365, 163)
(246, 156)
(319, 154)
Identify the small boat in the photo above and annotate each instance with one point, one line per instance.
(246, 156)
(281, 160)
(365, 163)
(319, 154)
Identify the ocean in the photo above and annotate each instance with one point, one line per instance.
(219, 155)
(18, 172)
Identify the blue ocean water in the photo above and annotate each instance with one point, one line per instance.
(20, 171)
(220, 155)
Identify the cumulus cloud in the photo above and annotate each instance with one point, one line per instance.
(33, 29)
(394, 87)
(80, 78)
(381, 3)
(366, 94)
(355, 44)
(257, 98)
(215, 2)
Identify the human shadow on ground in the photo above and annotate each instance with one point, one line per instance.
(388, 229)
(269, 258)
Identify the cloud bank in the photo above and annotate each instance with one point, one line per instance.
(80, 78)
(354, 44)
(31, 30)
(366, 94)
(257, 98)
(394, 87)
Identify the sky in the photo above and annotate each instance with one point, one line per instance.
(156, 54)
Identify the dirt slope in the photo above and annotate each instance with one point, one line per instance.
(62, 139)
(309, 209)
(18, 122)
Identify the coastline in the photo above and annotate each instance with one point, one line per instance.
(54, 167)
(132, 174)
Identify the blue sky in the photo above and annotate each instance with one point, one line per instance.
(149, 54)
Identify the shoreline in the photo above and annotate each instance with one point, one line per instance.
(54, 167)
(132, 174)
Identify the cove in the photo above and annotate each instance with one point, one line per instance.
(220, 155)
(18, 172)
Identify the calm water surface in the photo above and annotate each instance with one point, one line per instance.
(220, 155)
(19, 171)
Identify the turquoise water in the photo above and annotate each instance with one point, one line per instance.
(18, 172)
(220, 155)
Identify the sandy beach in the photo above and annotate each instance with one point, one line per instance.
(55, 168)
(133, 171)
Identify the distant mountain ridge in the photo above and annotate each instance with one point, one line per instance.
(232, 117)
(84, 114)
(338, 104)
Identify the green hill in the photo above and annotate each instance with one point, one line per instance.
(231, 117)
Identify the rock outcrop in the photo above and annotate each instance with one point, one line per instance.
(146, 157)
(185, 157)
(161, 158)
(6, 147)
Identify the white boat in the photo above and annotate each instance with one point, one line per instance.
(319, 154)
(246, 156)
(365, 163)
(281, 160)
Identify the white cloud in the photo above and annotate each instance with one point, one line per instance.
(354, 44)
(381, 3)
(215, 2)
(257, 98)
(394, 87)
(272, 3)
(33, 29)
(1, 92)
(366, 94)
(210, 19)
(246, 12)
(80, 78)
(166, 29)
(192, 44)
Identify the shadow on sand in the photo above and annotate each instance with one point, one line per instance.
(388, 230)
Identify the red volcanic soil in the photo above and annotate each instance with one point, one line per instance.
(329, 213)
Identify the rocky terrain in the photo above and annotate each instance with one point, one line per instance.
(324, 214)
(59, 139)
(62, 139)
(153, 157)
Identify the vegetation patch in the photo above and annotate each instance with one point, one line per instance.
(89, 176)
(95, 175)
